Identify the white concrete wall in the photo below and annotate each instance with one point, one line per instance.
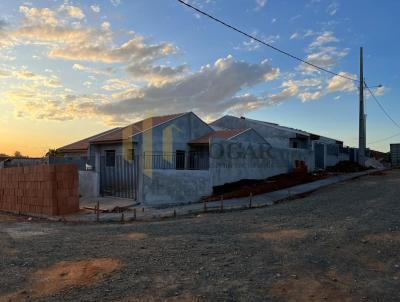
(238, 160)
(230, 162)
(162, 187)
(89, 184)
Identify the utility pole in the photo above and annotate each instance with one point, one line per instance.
(362, 124)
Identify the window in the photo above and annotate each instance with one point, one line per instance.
(180, 160)
(110, 158)
(295, 145)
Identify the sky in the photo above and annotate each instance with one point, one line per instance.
(70, 69)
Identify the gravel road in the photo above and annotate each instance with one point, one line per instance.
(341, 243)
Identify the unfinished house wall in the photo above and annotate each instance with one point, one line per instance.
(230, 162)
(172, 135)
(43, 189)
(159, 180)
(89, 184)
(162, 187)
(329, 154)
(249, 135)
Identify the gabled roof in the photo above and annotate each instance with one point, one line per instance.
(133, 129)
(224, 134)
(83, 145)
(116, 135)
(277, 126)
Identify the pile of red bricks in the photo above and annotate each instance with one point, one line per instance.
(44, 189)
(300, 167)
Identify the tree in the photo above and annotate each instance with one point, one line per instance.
(18, 154)
(52, 152)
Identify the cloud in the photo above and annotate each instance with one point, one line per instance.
(3, 24)
(5, 73)
(39, 15)
(103, 71)
(210, 90)
(260, 4)
(252, 45)
(115, 2)
(322, 54)
(301, 35)
(95, 8)
(115, 84)
(34, 79)
(72, 11)
(290, 89)
(325, 38)
(105, 25)
(139, 56)
(66, 40)
(310, 96)
(333, 8)
(340, 84)
(380, 91)
(324, 57)
(156, 75)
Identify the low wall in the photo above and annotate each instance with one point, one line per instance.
(43, 189)
(230, 162)
(175, 186)
(89, 184)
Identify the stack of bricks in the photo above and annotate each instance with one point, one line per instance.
(300, 167)
(45, 189)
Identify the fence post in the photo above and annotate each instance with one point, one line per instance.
(174, 213)
(250, 201)
(122, 218)
(205, 205)
(134, 213)
(222, 203)
(98, 211)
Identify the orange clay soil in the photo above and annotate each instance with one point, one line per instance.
(64, 275)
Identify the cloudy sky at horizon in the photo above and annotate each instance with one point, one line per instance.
(70, 69)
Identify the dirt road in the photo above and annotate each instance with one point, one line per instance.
(341, 243)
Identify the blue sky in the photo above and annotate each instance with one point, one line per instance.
(69, 69)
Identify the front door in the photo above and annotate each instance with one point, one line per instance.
(319, 150)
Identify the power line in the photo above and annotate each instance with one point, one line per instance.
(384, 139)
(386, 113)
(265, 43)
(381, 106)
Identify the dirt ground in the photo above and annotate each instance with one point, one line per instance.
(341, 243)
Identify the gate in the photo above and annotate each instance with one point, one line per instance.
(319, 150)
(119, 177)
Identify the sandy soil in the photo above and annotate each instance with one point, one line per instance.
(341, 243)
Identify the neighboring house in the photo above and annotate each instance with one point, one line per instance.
(80, 148)
(328, 151)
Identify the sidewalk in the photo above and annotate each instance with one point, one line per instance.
(145, 213)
